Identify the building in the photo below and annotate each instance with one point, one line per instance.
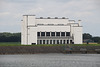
(50, 30)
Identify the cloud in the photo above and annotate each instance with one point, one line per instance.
(11, 11)
(4, 14)
(34, 10)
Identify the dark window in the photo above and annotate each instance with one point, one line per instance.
(47, 41)
(52, 33)
(33, 43)
(38, 33)
(53, 41)
(67, 41)
(70, 41)
(50, 41)
(43, 41)
(60, 41)
(57, 33)
(62, 33)
(57, 41)
(67, 33)
(42, 33)
(47, 33)
(63, 41)
(40, 41)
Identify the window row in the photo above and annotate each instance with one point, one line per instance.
(54, 42)
(53, 33)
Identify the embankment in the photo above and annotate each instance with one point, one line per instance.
(48, 49)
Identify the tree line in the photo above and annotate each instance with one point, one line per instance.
(10, 37)
(16, 37)
(89, 38)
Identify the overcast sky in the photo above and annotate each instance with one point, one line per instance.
(88, 11)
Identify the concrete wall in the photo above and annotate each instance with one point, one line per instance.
(32, 35)
(52, 21)
(54, 28)
(78, 35)
(31, 20)
(24, 30)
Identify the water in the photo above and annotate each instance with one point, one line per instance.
(50, 60)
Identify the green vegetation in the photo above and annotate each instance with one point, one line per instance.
(10, 37)
(88, 38)
(10, 44)
(19, 44)
(85, 44)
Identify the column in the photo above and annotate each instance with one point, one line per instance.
(42, 41)
(55, 41)
(49, 42)
(50, 33)
(62, 41)
(37, 41)
(69, 41)
(65, 33)
(40, 33)
(45, 41)
(60, 33)
(45, 33)
(55, 33)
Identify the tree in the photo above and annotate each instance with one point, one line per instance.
(10, 37)
(96, 39)
(87, 36)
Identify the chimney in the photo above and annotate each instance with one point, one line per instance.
(79, 22)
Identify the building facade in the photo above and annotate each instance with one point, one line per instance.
(50, 30)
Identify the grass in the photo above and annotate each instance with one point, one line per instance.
(85, 44)
(19, 44)
(10, 44)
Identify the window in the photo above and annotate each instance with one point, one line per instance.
(40, 24)
(53, 41)
(67, 41)
(50, 41)
(50, 24)
(42, 33)
(62, 33)
(33, 43)
(70, 41)
(67, 33)
(57, 41)
(57, 33)
(52, 33)
(43, 41)
(60, 41)
(47, 33)
(47, 41)
(63, 41)
(40, 41)
(60, 24)
(38, 33)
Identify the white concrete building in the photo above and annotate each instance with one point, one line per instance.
(50, 30)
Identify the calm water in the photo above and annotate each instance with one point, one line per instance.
(50, 60)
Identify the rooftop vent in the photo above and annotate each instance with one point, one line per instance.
(41, 17)
(56, 17)
(63, 17)
(48, 18)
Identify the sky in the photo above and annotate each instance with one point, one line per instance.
(12, 11)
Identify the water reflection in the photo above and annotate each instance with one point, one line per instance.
(50, 60)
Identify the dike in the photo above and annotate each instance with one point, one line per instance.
(49, 49)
